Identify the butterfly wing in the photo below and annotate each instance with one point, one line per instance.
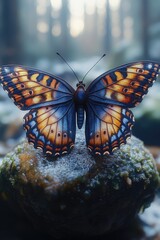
(30, 88)
(52, 128)
(107, 127)
(108, 119)
(50, 123)
(125, 85)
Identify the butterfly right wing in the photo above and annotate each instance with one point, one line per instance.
(124, 85)
(109, 121)
(107, 127)
(30, 88)
(52, 128)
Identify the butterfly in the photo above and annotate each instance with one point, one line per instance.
(55, 106)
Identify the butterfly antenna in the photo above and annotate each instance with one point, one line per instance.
(68, 66)
(93, 66)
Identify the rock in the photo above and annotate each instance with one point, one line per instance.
(77, 194)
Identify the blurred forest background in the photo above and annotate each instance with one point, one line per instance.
(31, 32)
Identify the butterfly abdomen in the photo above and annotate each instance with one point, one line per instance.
(80, 116)
(80, 99)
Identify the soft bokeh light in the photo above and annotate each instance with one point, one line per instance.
(90, 7)
(76, 26)
(42, 27)
(77, 11)
(114, 4)
(101, 6)
(76, 22)
(56, 4)
(41, 10)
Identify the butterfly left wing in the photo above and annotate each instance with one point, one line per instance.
(107, 127)
(52, 128)
(30, 88)
(125, 85)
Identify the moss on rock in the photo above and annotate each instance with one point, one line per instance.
(78, 194)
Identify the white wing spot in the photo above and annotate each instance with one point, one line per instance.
(6, 70)
(150, 65)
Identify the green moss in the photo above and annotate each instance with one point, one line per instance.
(78, 194)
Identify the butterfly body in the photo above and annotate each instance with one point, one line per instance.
(54, 106)
(80, 99)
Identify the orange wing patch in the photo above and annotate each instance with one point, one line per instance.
(28, 87)
(128, 84)
(110, 129)
(51, 129)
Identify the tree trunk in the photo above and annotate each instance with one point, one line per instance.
(10, 31)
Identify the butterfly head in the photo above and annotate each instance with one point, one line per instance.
(80, 84)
